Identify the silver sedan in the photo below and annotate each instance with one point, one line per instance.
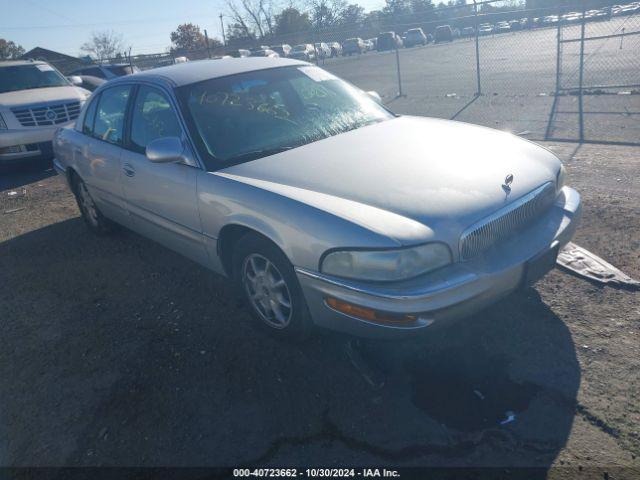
(325, 208)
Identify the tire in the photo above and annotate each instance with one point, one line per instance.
(97, 223)
(266, 281)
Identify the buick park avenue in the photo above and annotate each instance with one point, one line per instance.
(325, 208)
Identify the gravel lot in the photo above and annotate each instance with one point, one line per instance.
(115, 351)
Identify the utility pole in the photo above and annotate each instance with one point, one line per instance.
(206, 39)
(224, 40)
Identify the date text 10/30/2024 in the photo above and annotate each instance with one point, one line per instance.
(316, 473)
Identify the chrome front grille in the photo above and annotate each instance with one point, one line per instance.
(491, 230)
(41, 116)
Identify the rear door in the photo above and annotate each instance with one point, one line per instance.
(161, 197)
(100, 170)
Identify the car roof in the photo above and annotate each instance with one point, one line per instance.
(16, 63)
(200, 70)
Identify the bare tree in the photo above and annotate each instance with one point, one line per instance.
(103, 45)
(255, 17)
(238, 16)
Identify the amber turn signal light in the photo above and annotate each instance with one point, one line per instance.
(369, 314)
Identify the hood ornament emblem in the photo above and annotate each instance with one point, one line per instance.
(508, 180)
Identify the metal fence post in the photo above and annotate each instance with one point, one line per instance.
(581, 80)
(206, 38)
(556, 94)
(558, 52)
(400, 94)
(475, 14)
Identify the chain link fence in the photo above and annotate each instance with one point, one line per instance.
(563, 72)
(598, 81)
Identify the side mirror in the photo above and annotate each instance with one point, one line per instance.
(165, 150)
(75, 80)
(375, 95)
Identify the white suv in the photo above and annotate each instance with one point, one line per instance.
(35, 99)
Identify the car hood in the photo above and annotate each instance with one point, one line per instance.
(411, 178)
(42, 95)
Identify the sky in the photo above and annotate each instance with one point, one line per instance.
(145, 25)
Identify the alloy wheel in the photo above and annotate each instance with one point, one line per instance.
(267, 291)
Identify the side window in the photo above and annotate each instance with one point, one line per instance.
(109, 123)
(152, 117)
(89, 117)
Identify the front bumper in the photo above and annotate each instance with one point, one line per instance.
(26, 143)
(456, 291)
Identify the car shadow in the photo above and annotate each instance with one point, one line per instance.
(18, 175)
(120, 352)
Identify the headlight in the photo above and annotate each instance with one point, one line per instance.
(561, 178)
(3, 125)
(387, 265)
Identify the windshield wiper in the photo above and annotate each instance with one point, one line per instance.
(255, 154)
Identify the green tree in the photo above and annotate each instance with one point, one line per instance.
(10, 50)
(325, 13)
(291, 20)
(352, 16)
(396, 11)
(188, 37)
(239, 35)
(423, 10)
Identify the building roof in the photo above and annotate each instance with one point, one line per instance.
(39, 52)
(61, 61)
(200, 70)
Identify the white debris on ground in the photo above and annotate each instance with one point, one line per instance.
(588, 265)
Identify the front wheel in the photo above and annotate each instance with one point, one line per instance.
(268, 284)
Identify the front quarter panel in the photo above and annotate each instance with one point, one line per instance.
(302, 232)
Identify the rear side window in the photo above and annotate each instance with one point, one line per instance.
(89, 117)
(109, 123)
(152, 118)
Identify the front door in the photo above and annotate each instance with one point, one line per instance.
(160, 197)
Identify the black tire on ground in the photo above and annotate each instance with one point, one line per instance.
(267, 282)
(92, 216)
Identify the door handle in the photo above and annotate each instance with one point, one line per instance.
(128, 170)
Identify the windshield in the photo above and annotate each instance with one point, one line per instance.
(251, 115)
(300, 48)
(24, 77)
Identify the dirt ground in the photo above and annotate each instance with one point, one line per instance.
(116, 351)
